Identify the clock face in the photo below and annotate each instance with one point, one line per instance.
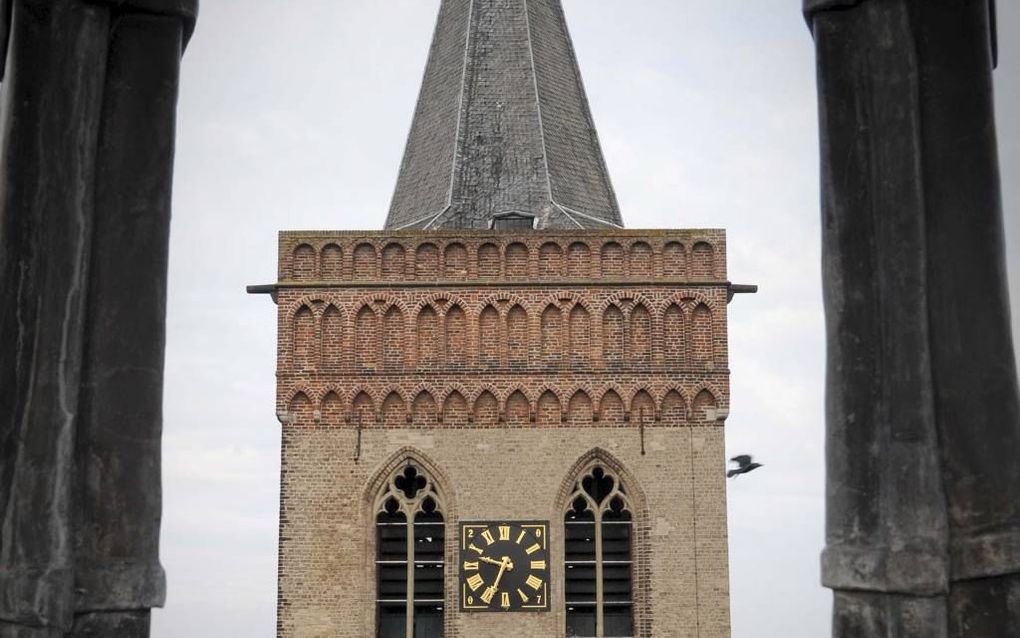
(504, 566)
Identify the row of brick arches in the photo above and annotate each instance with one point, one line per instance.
(398, 408)
(564, 335)
(551, 260)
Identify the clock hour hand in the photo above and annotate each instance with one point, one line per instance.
(509, 564)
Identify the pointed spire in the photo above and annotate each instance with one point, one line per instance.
(502, 126)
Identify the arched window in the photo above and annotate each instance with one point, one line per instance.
(410, 543)
(598, 557)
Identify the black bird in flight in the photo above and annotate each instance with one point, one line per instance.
(746, 465)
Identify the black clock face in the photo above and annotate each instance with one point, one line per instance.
(504, 566)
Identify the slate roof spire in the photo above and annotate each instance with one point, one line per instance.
(502, 127)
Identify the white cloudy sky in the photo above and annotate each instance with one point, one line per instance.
(293, 116)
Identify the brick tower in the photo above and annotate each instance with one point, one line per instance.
(503, 415)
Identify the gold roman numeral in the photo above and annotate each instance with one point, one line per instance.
(487, 535)
(476, 549)
(534, 548)
(472, 566)
(475, 582)
(504, 532)
(538, 564)
(520, 536)
(504, 600)
(534, 582)
(524, 597)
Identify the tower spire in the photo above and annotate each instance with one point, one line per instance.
(502, 126)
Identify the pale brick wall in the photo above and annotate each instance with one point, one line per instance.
(399, 345)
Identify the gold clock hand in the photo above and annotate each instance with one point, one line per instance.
(503, 565)
(491, 561)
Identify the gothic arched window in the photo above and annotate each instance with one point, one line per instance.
(410, 543)
(598, 557)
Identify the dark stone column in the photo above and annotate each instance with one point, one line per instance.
(89, 105)
(52, 99)
(923, 522)
(117, 565)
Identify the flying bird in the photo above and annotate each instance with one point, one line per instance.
(746, 465)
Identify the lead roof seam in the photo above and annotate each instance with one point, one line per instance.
(568, 215)
(586, 216)
(538, 102)
(460, 110)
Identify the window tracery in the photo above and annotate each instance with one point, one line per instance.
(598, 537)
(410, 557)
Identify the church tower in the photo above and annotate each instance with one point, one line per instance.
(503, 414)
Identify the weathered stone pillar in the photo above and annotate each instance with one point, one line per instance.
(923, 512)
(88, 127)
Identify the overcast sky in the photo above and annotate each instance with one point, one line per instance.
(294, 115)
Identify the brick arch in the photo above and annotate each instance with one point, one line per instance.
(612, 258)
(364, 348)
(511, 301)
(333, 336)
(491, 389)
(393, 260)
(329, 416)
(331, 261)
(633, 397)
(674, 258)
(453, 418)
(513, 268)
(685, 299)
(660, 396)
(452, 300)
(577, 264)
(496, 397)
(547, 387)
(568, 409)
(315, 303)
(304, 332)
(602, 399)
(436, 406)
(354, 392)
(401, 419)
(424, 386)
(540, 406)
(574, 298)
(641, 261)
(309, 393)
(301, 406)
(685, 407)
(380, 302)
(455, 251)
(488, 269)
(635, 299)
(551, 259)
(702, 249)
(529, 401)
(711, 388)
(362, 266)
(300, 267)
(427, 257)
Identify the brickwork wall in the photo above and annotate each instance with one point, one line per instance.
(502, 364)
